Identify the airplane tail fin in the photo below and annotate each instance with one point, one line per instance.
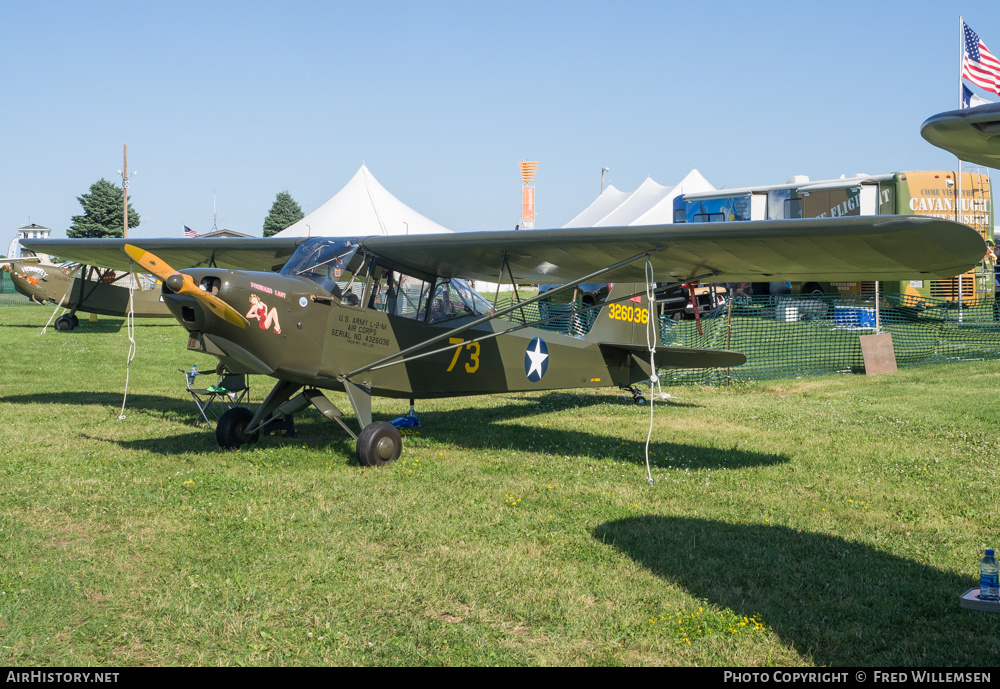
(620, 330)
(623, 321)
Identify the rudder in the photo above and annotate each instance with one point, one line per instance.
(623, 321)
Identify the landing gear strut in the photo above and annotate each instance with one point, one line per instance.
(378, 443)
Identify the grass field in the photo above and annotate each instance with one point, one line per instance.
(820, 521)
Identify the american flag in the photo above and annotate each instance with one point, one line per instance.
(978, 64)
(188, 232)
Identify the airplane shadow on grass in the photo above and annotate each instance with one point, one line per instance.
(473, 428)
(837, 602)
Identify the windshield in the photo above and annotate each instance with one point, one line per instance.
(325, 261)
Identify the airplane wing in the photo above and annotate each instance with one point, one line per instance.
(828, 249)
(972, 134)
(266, 254)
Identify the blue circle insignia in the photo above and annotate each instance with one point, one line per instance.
(536, 360)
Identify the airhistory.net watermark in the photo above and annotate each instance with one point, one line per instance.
(61, 677)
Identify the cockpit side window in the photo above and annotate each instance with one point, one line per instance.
(454, 298)
(398, 294)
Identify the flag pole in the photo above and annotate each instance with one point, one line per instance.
(961, 59)
(958, 182)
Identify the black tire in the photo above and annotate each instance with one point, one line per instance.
(640, 400)
(231, 432)
(64, 323)
(378, 444)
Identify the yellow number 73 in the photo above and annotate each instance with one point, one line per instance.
(473, 348)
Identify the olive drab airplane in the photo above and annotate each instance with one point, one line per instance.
(87, 289)
(972, 134)
(394, 317)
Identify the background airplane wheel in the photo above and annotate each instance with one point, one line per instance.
(640, 400)
(64, 322)
(378, 444)
(231, 431)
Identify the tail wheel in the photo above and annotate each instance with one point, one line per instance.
(378, 444)
(231, 433)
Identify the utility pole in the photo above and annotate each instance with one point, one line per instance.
(125, 177)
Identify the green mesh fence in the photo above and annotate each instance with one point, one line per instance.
(799, 335)
(10, 296)
(807, 335)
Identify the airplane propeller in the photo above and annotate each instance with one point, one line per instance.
(184, 284)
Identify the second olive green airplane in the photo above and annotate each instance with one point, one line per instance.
(87, 289)
(391, 316)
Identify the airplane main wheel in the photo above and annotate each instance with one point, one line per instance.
(378, 444)
(231, 431)
(65, 322)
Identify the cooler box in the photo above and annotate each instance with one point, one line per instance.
(853, 317)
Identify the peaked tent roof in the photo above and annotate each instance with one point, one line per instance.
(663, 210)
(650, 204)
(362, 208)
(609, 199)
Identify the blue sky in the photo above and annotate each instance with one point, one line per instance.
(441, 100)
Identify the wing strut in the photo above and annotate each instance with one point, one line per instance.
(497, 314)
(509, 330)
(496, 297)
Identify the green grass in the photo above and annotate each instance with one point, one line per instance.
(822, 521)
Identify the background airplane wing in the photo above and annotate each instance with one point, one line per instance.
(972, 134)
(229, 252)
(830, 249)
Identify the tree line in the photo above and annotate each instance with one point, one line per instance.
(103, 210)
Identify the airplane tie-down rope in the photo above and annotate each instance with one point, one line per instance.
(651, 327)
(130, 328)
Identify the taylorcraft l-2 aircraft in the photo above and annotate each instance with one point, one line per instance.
(87, 289)
(972, 134)
(390, 316)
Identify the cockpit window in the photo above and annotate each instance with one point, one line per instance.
(327, 262)
(399, 294)
(454, 298)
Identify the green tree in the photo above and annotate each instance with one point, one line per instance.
(102, 212)
(284, 212)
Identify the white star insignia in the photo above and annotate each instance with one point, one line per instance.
(537, 357)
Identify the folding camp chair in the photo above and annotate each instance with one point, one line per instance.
(230, 390)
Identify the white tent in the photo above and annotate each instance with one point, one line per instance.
(609, 199)
(362, 208)
(650, 204)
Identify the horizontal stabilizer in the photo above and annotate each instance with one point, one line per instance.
(683, 357)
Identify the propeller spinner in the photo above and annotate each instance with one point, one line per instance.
(184, 284)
